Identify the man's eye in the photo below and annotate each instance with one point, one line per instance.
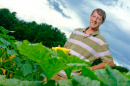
(99, 19)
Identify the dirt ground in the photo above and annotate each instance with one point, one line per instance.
(57, 78)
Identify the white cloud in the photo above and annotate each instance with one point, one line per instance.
(39, 11)
(117, 63)
(117, 12)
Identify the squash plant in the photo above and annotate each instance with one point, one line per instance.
(15, 65)
(28, 64)
(7, 53)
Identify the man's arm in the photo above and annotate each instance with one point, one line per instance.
(102, 65)
(99, 66)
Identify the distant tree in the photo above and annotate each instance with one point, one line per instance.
(120, 68)
(7, 19)
(50, 37)
(31, 31)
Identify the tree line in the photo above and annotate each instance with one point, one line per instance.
(47, 34)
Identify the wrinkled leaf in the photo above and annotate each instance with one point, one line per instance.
(64, 83)
(4, 30)
(50, 83)
(50, 64)
(84, 81)
(112, 77)
(11, 52)
(74, 62)
(2, 45)
(18, 61)
(16, 82)
(4, 42)
(26, 69)
(7, 37)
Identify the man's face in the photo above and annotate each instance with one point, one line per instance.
(95, 20)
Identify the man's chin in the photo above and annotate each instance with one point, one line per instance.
(94, 28)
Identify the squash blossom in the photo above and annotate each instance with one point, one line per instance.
(4, 71)
(1, 59)
(63, 49)
(17, 68)
(14, 63)
(12, 56)
(10, 75)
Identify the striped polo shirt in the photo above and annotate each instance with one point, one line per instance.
(88, 48)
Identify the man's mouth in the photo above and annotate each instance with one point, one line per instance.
(93, 22)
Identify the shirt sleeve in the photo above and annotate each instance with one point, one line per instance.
(104, 53)
(66, 44)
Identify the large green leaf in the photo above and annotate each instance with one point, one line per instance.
(50, 63)
(7, 37)
(26, 69)
(11, 52)
(112, 77)
(88, 73)
(84, 81)
(4, 30)
(16, 82)
(74, 62)
(64, 83)
(6, 43)
(50, 83)
(2, 45)
(128, 74)
(18, 61)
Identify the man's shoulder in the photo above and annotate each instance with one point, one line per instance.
(80, 29)
(101, 37)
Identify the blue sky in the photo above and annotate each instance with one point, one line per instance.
(68, 15)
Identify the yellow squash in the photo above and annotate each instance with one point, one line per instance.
(63, 49)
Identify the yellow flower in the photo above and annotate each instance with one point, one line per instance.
(14, 63)
(12, 56)
(4, 71)
(1, 59)
(60, 48)
(10, 75)
(17, 68)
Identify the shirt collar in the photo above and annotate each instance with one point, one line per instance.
(94, 33)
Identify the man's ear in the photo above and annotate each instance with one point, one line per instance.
(103, 22)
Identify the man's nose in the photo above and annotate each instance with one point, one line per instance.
(95, 19)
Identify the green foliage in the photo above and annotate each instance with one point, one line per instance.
(120, 68)
(15, 82)
(13, 64)
(7, 53)
(84, 81)
(78, 81)
(7, 19)
(112, 77)
(31, 31)
(73, 62)
(96, 62)
(104, 77)
(49, 60)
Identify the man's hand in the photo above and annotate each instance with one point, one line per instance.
(102, 65)
(78, 72)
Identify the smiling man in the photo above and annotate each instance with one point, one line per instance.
(88, 44)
